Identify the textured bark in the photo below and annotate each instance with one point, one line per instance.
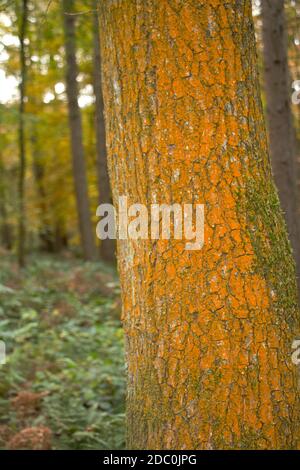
(280, 120)
(22, 145)
(79, 168)
(208, 332)
(107, 248)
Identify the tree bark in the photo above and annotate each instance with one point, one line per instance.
(208, 332)
(22, 144)
(107, 247)
(282, 134)
(79, 168)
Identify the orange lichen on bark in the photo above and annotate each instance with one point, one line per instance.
(209, 332)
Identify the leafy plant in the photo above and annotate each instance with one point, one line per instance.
(65, 346)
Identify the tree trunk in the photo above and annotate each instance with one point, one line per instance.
(5, 229)
(208, 332)
(79, 168)
(282, 134)
(22, 145)
(107, 248)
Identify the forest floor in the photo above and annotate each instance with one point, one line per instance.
(63, 384)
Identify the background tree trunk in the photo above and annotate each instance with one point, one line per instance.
(5, 229)
(282, 134)
(79, 169)
(208, 332)
(107, 247)
(22, 146)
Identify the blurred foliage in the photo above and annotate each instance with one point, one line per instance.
(60, 323)
(50, 201)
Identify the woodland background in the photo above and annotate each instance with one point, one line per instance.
(63, 385)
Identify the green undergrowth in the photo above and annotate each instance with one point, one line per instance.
(59, 319)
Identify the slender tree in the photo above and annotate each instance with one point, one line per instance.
(5, 229)
(107, 248)
(22, 145)
(208, 332)
(79, 167)
(282, 134)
